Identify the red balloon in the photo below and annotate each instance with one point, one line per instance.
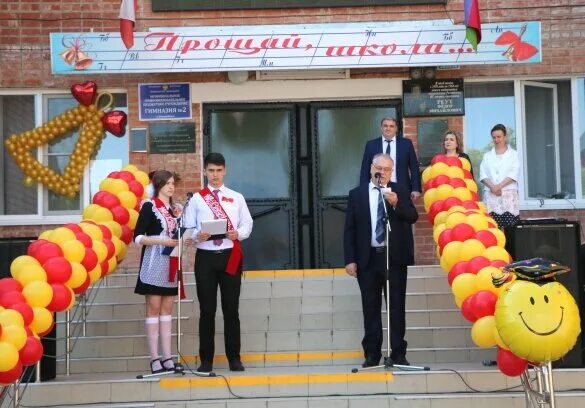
(434, 209)
(450, 202)
(438, 158)
(510, 364)
(85, 93)
(8, 377)
(470, 205)
(467, 309)
(7, 299)
(104, 267)
(474, 196)
(58, 270)
(106, 199)
(453, 161)
(498, 263)
(31, 352)
(107, 234)
(492, 224)
(487, 238)
(484, 303)
(126, 176)
(25, 310)
(457, 269)
(35, 246)
(73, 227)
(111, 248)
(462, 232)
(477, 264)
(62, 297)
(83, 287)
(115, 122)
(84, 239)
(9, 284)
(467, 174)
(428, 185)
(90, 259)
(114, 174)
(47, 251)
(127, 234)
(444, 238)
(136, 188)
(98, 197)
(121, 215)
(441, 179)
(457, 182)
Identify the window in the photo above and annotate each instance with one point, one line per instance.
(19, 113)
(580, 116)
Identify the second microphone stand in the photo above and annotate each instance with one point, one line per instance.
(388, 364)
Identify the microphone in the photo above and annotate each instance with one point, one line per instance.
(378, 176)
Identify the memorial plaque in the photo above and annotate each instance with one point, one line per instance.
(430, 139)
(171, 138)
(433, 97)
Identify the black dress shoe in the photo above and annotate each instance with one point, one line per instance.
(205, 367)
(236, 365)
(400, 360)
(371, 362)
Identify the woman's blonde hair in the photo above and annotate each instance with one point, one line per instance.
(458, 139)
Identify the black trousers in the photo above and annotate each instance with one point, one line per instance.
(209, 274)
(372, 282)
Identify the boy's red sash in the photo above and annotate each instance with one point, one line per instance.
(236, 256)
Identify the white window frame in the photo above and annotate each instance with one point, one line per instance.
(544, 204)
(42, 218)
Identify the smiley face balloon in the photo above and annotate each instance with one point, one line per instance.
(539, 323)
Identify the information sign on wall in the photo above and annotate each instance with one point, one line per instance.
(433, 97)
(164, 101)
(171, 138)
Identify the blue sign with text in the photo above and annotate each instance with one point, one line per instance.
(164, 101)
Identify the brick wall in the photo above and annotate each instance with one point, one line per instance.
(24, 59)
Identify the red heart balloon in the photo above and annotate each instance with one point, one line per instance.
(115, 122)
(85, 93)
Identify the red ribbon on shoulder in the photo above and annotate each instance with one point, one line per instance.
(236, 256)
(171, 226)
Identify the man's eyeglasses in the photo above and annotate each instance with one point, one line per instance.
(384, 169)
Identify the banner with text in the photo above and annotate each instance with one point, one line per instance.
(241, 48)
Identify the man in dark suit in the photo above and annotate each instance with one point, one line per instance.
(364, 250)
(406, 170)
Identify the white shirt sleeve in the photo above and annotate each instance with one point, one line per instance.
(245, 221)
(514, 169)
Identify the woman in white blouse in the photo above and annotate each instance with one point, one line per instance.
(499, 174)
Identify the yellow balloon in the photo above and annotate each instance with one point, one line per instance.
(497, 253)
(30, 274)
(464, 285)
(456, 208)
(89, 211)
(114, 228)
(45, 234)
(73, 250)
(112, 264)
(116, 186)
(451, 254)
(15, 335)
(438, 168)
(458, 302)
(499, 340)
(42, 320)
(92, 230)
(95, 274)
(131, 168)
(500, 237)
(430, 197)
(102, 214)
(465, 163)
(470, 249)
(484, 279)
(133, 218)
(21, 263)
(437, 231)
(471, 185)
(9, 355)
(482, 332)
(482, 207)
(455, 219)
(61, 234)
(477, 221)
(537, 323)
(105, 184)
(38, 294)
(122, 254)
(142, 177)
(455, 172)
(101, 250)
(462, 193)
(426, 175)
(445, 191)
(78, 276)
(440, 217)
(127, 199)
(118, 244)
(10, 317)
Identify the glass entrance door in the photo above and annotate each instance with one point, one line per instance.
(294, 164)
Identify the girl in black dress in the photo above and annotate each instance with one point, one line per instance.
(154, 231)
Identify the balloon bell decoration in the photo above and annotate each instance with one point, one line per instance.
(63, 263)
(93, 121)
(471, 252)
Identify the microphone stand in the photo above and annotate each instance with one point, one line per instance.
(388, 364)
